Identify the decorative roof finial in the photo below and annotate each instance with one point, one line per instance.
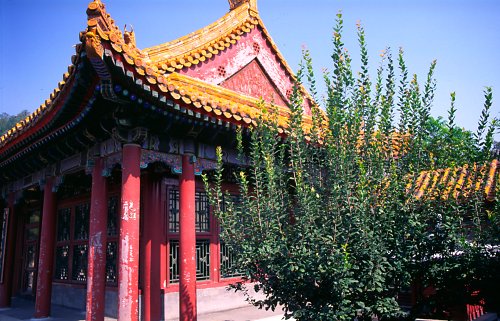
(233, 4)
(129, 36)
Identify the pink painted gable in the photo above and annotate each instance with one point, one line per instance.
(250, 67)
(252, 81)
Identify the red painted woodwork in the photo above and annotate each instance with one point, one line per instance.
(46, 252)
(187, 242)
(96, 271)
(254, 82)
(164, 245)
(6, 286)
(152, 233)
(128, 263)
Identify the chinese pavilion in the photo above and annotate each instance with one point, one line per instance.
(102, 206)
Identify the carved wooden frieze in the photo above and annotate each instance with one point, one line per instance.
(110, 162)
(110, 146)
(70, 163)
(172, 160)
(204, 165)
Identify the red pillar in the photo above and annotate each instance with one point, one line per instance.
(187, 236)
(128, 275)
(6, 285)
(46, 252)
(152, 235)
(96, 282)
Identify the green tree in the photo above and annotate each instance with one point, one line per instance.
(8, 121)
(439, 135)
(327, 223)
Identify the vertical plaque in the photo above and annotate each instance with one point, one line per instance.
(3, 240)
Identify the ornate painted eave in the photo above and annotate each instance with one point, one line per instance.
(223, 103)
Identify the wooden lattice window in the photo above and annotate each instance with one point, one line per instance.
(72, 242)
(112, 241)
(228, 268)
(202, 212)
(202, 260)
(204, 235)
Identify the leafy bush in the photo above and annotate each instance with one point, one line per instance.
(327, 224)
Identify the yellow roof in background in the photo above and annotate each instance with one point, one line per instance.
(458, 182)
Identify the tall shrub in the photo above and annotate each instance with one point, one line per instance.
(327, 223)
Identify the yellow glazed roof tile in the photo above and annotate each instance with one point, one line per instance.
(221, 101)
(187, 50)
(459, 182)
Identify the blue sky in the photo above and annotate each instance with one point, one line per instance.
(37, 38)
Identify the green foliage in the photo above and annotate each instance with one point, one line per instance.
(327, 224)
(8, 121)
(447, 144)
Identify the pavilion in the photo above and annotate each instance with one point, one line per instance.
(103, 206)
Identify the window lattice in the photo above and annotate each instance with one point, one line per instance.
(79, 269)
(202, 260)
(71, 257)
(174, 261)
(111, 258)
(63, 224)
(62, 262)
(173, 218)
(82, 212)
(202, 212)
(227, 262)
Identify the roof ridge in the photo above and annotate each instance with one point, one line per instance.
(233, 4)
(232, 22)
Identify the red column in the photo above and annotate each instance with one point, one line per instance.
(163, 240)
(152, 235)
(46, 252)
(128, 270)
(6, 285)
(96, 282)
(187, 236)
